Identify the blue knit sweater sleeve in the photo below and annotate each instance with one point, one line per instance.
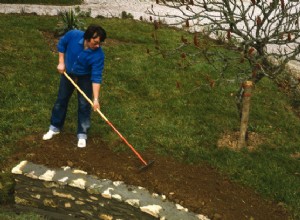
(97, 67)
(63, 42)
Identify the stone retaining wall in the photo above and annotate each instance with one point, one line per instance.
(71, 193)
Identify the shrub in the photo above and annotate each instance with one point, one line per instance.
(69, 21)
(126, 15)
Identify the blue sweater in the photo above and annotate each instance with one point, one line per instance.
(79, 61)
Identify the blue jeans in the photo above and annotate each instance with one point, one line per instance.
(60, 107)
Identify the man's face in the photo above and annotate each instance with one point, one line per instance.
(94, 43)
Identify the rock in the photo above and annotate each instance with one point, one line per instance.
(151, 209)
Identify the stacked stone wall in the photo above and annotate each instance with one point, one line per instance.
(65, 200)
(70, 193)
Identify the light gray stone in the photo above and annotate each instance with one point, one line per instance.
(90, 194)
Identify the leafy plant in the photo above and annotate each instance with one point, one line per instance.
(125, 15)
(69, 20)
(83, 13)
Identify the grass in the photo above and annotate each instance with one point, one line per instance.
(141, 97)
(10, 215)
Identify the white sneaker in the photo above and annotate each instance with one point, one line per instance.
(81, 143)
(50, 135)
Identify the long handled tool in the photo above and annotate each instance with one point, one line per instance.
(145, 164)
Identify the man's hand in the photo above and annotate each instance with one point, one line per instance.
(61, 68)
(96, 105)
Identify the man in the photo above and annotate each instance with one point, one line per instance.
(81, 56)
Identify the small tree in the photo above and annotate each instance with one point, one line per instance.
(265, 31)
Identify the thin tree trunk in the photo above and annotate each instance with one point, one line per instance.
(245, 113)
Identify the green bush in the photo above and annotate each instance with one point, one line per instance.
(125, 15)
(69, 20)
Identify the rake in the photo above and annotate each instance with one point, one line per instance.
(145, 164)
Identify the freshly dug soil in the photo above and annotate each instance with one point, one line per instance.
(200, 188)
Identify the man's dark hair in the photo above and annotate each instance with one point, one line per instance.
(94, 31)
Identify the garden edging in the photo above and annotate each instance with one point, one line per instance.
(76, 194)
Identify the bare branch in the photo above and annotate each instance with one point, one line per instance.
(270, 27)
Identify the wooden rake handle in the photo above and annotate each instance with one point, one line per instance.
(84, 95)
(105, 119)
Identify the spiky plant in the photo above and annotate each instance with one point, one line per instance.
(69, 20)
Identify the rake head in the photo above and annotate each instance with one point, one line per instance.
(146, 167)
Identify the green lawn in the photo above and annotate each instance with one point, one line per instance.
(141, 96)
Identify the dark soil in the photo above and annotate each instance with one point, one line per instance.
(200, 188)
